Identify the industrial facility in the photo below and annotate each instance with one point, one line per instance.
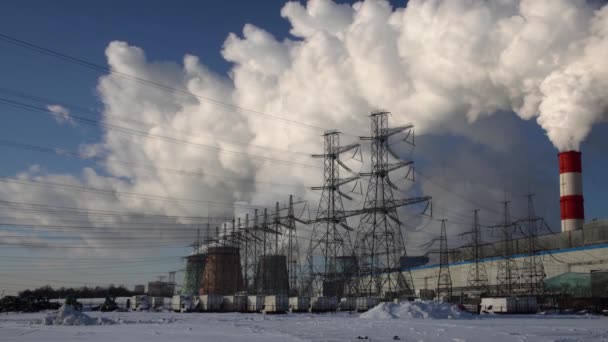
(355, 267)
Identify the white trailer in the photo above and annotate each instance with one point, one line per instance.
(140, 303)
(323, 304)
(348, 304)
(158, 302)
(509, 305)
(299, 304)
(211, 302)
(181, 303)
(366, 303)
(255, 303)
(234, 303)
(276, 304)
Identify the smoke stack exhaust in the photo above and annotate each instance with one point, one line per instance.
(571, 191)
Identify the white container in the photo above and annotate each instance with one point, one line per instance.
(181, 303)
(299, 304)
(140, 303)
(332, 303)
(323, 304)
(255, 303)
(348, 304)
(512, 305)
(234, 303)
(366, 303)
(211, 302)
(276, 304)
(158, 302)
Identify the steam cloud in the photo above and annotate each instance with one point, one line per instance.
(443, 65)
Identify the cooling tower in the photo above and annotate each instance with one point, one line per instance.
(222, 274)
(271, 275)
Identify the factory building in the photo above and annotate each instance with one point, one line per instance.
(577, 251)
(570, 258)
(161, 289)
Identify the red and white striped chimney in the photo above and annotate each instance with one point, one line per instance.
(571, 191)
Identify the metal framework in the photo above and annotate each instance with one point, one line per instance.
(380, 242)
(194, 268)
(507, 277)
(477, 278)
(290, 247)
(444, 279)
(533, 270)
(330, 241)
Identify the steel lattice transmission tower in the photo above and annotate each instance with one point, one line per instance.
(444, 279)
(290, 247)
(477, 278)
(330, 247)
(507, 277)
(533, 270)
(380, 242)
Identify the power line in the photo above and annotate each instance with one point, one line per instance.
(103, 69)
(74, 210)
(192, 173)
(127, 130)
(64, 186)
(78, 109)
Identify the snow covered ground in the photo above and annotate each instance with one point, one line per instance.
(175, 327)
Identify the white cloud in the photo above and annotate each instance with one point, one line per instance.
(447, 66)
(61, 114)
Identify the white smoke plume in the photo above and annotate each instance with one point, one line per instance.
(450, 67)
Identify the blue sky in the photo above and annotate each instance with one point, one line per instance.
(84, 29)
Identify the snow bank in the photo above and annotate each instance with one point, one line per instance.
(67, 315)
(415, 310)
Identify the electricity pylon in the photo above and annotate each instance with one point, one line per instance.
(533, 270)
(380, 242)
(444, 279)
(507, 277)
(477, 278)
(330, 248)
(290, 247)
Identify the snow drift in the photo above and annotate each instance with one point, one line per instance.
(67, 315)
(415, 310)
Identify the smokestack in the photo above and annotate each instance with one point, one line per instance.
(571, 191)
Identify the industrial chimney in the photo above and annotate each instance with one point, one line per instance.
(571, 191)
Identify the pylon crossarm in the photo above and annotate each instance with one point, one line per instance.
(392, 152)
(344, 166)
(338, 183)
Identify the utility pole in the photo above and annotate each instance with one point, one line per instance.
(444, 280)
(507, 268)
(477, 278)
(380, 241)
(330, 242)
(533, 270)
